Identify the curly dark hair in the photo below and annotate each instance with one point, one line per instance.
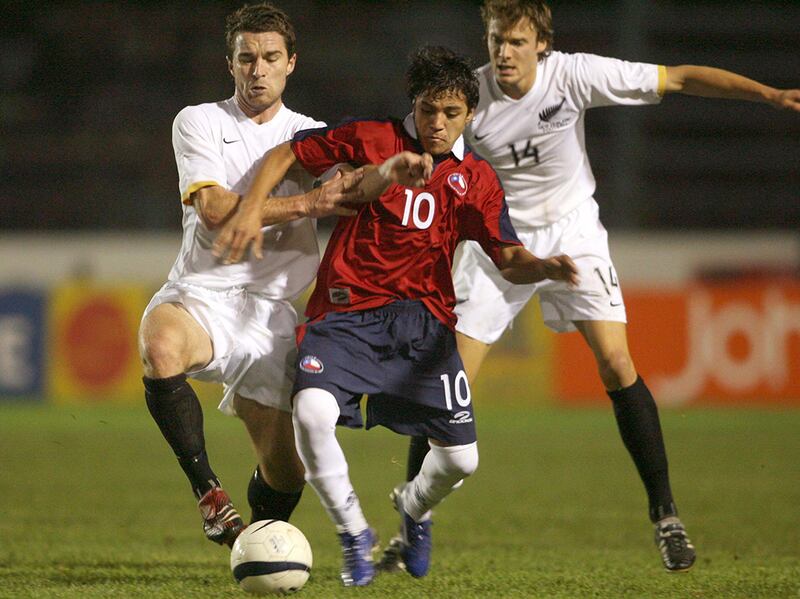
(508, 12)
(259, 18)
(436, 70)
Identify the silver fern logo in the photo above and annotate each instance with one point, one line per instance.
(548, 113)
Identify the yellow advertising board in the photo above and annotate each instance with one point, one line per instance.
(93, 353)
(518, 369)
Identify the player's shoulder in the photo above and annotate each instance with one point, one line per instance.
(360, 127)
(297, 121)
(204, 114)
(370, 123)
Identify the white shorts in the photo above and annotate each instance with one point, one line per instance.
(253, 339)
(487, 303)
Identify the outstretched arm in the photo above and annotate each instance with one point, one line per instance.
(335, 197)
(520, 267)
(710, 82)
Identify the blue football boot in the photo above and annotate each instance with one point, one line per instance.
(416, 542)
(358, 568)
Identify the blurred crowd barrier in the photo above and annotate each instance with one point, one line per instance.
(714, 319)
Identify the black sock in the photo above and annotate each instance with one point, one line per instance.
(174, 406)
(418, 448)
(268, 504)
(640, 429)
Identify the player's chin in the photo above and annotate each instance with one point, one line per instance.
(437, 147)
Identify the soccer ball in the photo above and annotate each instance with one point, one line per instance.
(271, 556)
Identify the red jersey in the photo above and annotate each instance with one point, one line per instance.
(401, 246)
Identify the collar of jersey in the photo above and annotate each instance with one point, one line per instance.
(250, 122)
(457, 149)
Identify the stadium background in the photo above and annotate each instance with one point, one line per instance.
(701, 197)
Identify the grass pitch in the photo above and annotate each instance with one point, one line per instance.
(93, 504)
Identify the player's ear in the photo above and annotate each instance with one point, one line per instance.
(291, 65)
(470, 115)
(230, 65)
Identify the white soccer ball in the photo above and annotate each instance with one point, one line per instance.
(271, 557)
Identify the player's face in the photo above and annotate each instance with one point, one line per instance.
(514, 54)
(260, 65)
(440, 121)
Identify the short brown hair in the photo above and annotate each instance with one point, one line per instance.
(508, 12)
(437, 70)
(259, 18)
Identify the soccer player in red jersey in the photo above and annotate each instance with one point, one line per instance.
(381, 316)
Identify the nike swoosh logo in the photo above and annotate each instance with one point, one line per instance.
(614, 305)
(479, 137)
(225, 141)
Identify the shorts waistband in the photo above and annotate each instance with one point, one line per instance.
(400, 306)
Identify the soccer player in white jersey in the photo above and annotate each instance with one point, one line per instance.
(233, 323)
(529, 125)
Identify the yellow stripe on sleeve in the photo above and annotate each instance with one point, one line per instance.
(662, 80)
(186, 198)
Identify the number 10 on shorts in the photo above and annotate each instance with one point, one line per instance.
(461, 388)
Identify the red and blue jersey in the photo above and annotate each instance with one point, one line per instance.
(401, 246)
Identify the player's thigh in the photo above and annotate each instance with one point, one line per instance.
(486, 303)
(473, 352)
(598, 295)
(261, 365)
(170, 337)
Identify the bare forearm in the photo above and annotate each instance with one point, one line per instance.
(710, 82)
(273, 169)
(520, 266)
(277, 210)
(374, 182)
(215, 205)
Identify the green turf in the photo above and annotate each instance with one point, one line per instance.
(92, 504)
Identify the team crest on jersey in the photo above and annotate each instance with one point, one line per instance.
(458, 183)
(339, 295)
(311, 364)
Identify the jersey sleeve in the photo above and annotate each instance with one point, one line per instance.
(199, 160)
(320, 149)
(601, 81)
(485, 216)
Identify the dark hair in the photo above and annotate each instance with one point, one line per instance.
(259, 18)
(508, 12)
(436, 70)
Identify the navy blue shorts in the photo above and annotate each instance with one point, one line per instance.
(399, 355)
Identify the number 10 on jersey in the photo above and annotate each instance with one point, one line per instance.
(412, 209)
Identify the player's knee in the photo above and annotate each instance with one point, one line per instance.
(315, 412)
(459, 461)
(162, 352)
(617, 369)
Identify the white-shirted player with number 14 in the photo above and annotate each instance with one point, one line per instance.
(529, 125)
(230, 322)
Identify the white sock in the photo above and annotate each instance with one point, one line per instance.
(314, 417)
(441, 472)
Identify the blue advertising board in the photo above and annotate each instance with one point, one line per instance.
(22, 351)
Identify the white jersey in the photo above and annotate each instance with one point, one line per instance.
(537, 144)
(217, 144)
